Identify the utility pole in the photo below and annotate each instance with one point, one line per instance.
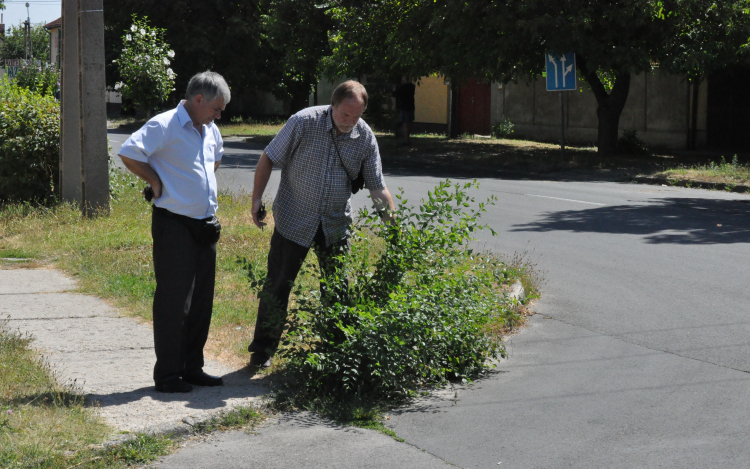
(27, 35)
(84, 159)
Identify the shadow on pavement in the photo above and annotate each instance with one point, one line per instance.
(237, 384)
(662, 221)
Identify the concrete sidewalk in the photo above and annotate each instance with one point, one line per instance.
(110, 357)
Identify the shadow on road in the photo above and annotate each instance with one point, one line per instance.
(662, 221)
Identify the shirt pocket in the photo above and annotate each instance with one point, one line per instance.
(209, 152)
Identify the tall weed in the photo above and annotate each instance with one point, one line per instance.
(411, 306)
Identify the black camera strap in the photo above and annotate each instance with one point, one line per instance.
(358, 182)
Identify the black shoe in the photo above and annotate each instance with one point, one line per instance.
(174, 385)
(201, 378)
(260, 360)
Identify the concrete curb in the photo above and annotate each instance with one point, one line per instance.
(718, 186)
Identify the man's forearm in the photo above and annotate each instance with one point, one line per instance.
(142, 170)
(262, 174)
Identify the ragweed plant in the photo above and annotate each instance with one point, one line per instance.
(411, 306)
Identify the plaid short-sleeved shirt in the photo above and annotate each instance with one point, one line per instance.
(315, 187)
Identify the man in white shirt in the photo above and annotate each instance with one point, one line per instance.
(177, 153)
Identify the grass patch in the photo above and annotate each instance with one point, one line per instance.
(41, 421)
(723, 172)
(376, 425)
(242, 417)
(45, 425)
(251, 127)
(111, 256)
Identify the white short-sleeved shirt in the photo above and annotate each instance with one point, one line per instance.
(183, 158)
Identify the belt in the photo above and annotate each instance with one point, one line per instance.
(168, 214)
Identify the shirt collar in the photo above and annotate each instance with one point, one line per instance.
(183, 115)
(329, 124)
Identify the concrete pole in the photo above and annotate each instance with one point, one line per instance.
(70, 108)
(95, 154)
(84, 172)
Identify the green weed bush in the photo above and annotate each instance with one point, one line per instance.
(502, 129)
(29, 144)
(630, 143)
(410, 307)
(40, 78)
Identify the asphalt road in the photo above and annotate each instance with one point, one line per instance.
(639, 356)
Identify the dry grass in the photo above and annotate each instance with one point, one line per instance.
(729, 173)
(39, 418)
(111, 257)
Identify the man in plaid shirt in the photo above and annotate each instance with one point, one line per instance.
(320, 151)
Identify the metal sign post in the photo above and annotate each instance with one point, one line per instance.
(561, 76)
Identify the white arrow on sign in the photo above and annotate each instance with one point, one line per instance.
(554, 62)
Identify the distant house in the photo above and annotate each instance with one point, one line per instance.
(54, 28)
(2, 41)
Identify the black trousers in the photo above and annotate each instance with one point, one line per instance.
(284, 262)
(185, 272)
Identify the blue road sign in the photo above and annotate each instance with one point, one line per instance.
(561, 71)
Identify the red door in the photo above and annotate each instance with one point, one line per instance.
(474, 108)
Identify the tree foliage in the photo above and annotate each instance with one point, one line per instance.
(219, 35)
(13, 47)
(505, 40)
(298, 31)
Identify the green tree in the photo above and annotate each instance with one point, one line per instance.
(505, 40)
(13, 47)
(298, 30)
(145, 66)
(711, 42)
(220, 35)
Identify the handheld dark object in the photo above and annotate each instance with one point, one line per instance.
(148, 193)
(262, 212)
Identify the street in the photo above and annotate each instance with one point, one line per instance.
(639, 354)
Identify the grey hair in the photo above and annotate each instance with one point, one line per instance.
(209, 84)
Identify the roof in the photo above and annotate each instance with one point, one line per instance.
(54, 24)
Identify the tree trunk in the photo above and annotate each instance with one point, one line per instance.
(609, 106)
(693, 144)
(300, 99)
(453, 131)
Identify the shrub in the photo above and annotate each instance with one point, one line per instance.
(502, 129)
(630, 143)
(415, 308)
(41, 78)
(29, 144)
(145, 66)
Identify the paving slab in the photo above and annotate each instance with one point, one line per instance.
(19, 281)
(110, 358)
(302, 441)
(53, 306)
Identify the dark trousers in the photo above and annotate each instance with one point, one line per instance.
(185, 272)
(284, 262)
